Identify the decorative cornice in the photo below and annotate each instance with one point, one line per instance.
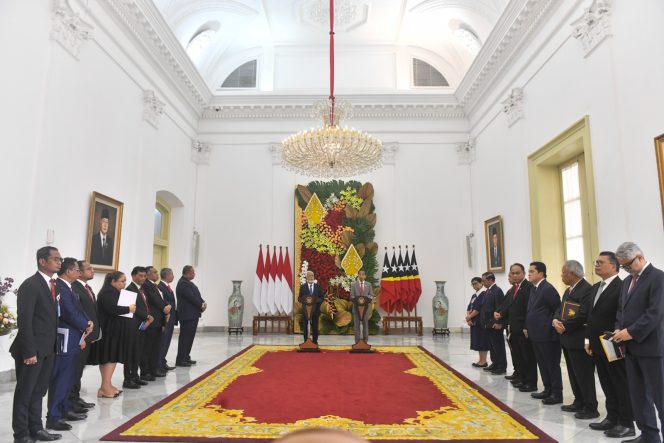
(360, 112)
(594, 26)
(466, 152)
(510, 35)
(145, 23)
(153, 108)
(390, 152)
(69, 30)
(200, 152)
(513, 106)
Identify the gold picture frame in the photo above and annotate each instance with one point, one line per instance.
(495, 245)
(659, 153)
(102, 249)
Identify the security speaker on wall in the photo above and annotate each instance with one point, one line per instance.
(470, 248)
(195, 247)
(50, 236)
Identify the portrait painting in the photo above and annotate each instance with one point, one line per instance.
(495, 245)
(104, 232)
(659, 153)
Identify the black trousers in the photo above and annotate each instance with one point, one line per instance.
(31, 386)
(186, 340)
(515, 352)
(497, 343)
(131, 366)
(613, 379)
(81, 361)
(581, 372)
(523, 356)
(645, 376)
(150, 354)
(304, 324)
(165, 341)
(547, 354)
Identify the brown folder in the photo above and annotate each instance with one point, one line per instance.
(570, 310)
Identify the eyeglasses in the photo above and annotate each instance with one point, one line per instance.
(75, 270)
(626, 266)
(598, 263)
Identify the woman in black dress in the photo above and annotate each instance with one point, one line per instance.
(479, 338)
(118, 341)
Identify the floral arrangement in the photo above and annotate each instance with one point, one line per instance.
(8, 321)
(349, 219)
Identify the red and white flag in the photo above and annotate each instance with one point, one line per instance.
(287, 281)
(278, 284)
(271, 283)
(258, 279)
(265, 308)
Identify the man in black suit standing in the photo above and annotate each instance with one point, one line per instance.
(101, 249)
(603, 307)
(314, 289)
(542, 305)
(142, 321)
(190, 307)
(493, 298)
(569, 321)
(34, 347)
(166, 275)
(513, 313)
(89, 302)
(158, 309)
(640, 326)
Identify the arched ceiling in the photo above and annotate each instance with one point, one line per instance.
(375, 38)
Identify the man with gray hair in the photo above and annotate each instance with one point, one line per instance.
(640, 326)
(570, 322)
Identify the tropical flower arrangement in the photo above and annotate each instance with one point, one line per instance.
(344, 216)
(8, 321)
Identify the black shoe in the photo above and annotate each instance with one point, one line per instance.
(639, 439)
(24, 440)
(44, 435)
(527, 388)
(516, 383)
(148, 377)
(603, 425)
(491, 367)
(541, 395)
(586, 415)
(75, 408)
(140, 382)
(58, 425)
(574, 407)
(193, 362)
(514, 376)
(168, 368)
(184, 364)
(477, 365)
(160, 373)
(128, 384)
(553, 400)
(84, 404)
(619, 431)
(498, 372)
(73, 416)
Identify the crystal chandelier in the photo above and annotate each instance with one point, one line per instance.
(331, 151)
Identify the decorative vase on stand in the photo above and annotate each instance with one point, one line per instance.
(441, 307)
(236, 309)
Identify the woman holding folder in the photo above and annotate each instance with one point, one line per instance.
(118, 341)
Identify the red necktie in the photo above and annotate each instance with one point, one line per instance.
(632, 285)
(90, 293)
(53, 295)
(516, 289)
(145, 300)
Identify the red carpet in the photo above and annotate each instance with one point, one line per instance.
(398, 394)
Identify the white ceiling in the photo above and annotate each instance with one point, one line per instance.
(266, 29)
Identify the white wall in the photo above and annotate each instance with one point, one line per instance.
(619, 87)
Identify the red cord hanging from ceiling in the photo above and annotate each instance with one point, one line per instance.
(331, 62)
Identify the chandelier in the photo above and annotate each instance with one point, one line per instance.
(330, 150)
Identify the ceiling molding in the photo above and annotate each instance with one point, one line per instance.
(145, 23)
(521, 19)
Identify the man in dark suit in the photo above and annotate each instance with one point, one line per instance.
(496, 254)
(89, 302)
(190, 307)
(142, 321)
(314, 289)
(34, 347)
(569, 321)
(101, 249)
(513, 313)
(640, 325)
(603, 307)
(542, 305)
(171, 319)
(493, 298)
(159, 309)
(72, 324)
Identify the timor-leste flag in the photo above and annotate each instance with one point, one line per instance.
(407, 283)
(417, 282)
(403, 284)
(386, 286)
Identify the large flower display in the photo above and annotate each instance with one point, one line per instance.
(330, 217)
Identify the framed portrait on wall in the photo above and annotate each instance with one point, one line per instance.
(495, 245)
(104, 233)
(659, 152)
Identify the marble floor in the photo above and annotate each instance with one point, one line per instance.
(212, 348)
